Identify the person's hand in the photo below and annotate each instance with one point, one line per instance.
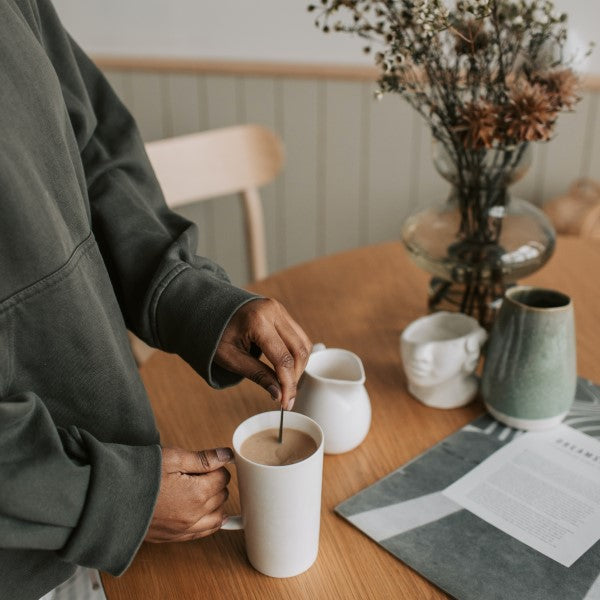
(265, 323)
(192, 492)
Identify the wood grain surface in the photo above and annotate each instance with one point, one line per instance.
(359, 300)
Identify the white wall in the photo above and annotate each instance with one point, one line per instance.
(354, 167)
(269, 30)
(280, 30)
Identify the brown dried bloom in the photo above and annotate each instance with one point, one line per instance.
(530, 113)
(477, 124)
(561, 86)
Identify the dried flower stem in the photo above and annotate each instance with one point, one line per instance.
(488, 77)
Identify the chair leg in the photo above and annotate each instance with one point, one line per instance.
(141, 351)
(255, 233)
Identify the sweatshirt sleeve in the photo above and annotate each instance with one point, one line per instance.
(60, 488)
(170, 298)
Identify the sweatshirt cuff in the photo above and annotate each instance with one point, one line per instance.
(191, 314)
(123, 488)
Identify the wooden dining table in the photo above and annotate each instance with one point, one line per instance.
(360, 300)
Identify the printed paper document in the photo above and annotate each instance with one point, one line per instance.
(543, 489)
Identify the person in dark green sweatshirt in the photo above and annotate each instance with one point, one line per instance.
(88, 249)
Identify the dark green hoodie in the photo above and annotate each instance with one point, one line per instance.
(87, 248)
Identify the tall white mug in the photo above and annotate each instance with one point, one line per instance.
(281, 505)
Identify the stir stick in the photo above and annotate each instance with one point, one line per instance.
(280, 438)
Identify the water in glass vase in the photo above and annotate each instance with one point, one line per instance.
(481, 240)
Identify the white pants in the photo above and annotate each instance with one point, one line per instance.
(85, 584)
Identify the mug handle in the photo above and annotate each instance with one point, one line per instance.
(233, 523)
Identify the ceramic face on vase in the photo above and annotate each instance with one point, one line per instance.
(440, 353)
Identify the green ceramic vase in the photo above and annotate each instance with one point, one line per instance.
(530, 372)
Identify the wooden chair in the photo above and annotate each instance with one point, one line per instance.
(219, 162)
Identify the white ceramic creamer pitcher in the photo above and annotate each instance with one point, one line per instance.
(332, 392)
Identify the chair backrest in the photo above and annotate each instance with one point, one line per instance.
(218, 162)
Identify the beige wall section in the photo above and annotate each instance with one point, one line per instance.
(355, 167)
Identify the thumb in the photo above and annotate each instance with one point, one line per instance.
(205, 461)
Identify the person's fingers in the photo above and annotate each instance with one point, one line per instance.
(207, 524)
(297, 343)
(207, 485)
(190, 537)
(203, 461)
(306, 342)
(192, 492)
(265, 323)
(279, 355)
(215, 502)
(203, 508)
(297, 347)
(237, 360)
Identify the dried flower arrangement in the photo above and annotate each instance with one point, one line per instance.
(487, 73)
(489, 77)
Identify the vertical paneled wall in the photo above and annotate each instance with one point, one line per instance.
(355, 167)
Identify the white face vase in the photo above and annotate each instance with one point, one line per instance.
(440, 352)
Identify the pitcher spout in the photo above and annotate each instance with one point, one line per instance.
(336, 366)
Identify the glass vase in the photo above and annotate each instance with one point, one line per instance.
(482, 239)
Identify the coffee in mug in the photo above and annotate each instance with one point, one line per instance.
(281, 502)
(264, 447)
